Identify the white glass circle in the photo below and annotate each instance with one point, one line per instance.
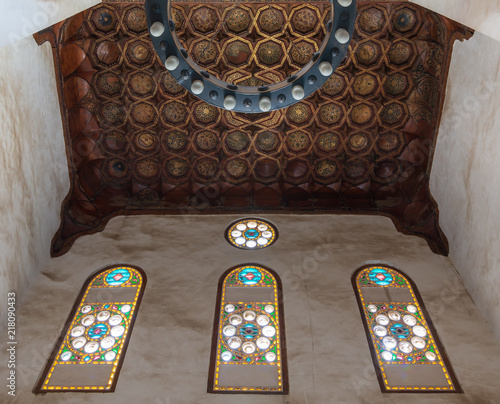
(394, 315)
(262, 241)
(252, 225)
(372, 308)
(405, 347)
(263, 343)
(251, 244)
(390, 342)
(66, 356)
(265, 104)
(234, 342)
(241, 226)
(226, 356)
(298, 92)
(431, 356)
(157, 29)
(86, 309)
(172, 63)
(236, 233)
(269, 331)
(345, 3)
(262, 227)
(326, 69)
(103, 315)
(409, 320)
(249, 315)
(382, 319)
(197, 87)
(110, 356)
(419, 331)
(229, 102)
(88, 320)
(380, 331)
(115, 320)
(263, 320)
(229, 330)
(91, 347)
(240, 241)
(229, 308)
(269, 309)
(79, 342)
(418, 342)
(270, 356)
(411, 308)
(117, 331)
(78, 331)
(267, 234)
(125, 308)
(248, 347)
(235, 319)
(342, 35)
(107, 342)
(387, 356)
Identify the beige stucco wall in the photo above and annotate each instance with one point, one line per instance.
(33, 168)
(465, 176)
(22, 18)
(482, 15)
(329, 360)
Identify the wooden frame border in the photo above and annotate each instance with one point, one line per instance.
(215, 334)
(437, 340)
(41, 379)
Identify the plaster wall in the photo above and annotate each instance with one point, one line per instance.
(482, 15)
(465, 178)
(33, 168)
(20, 19)
(329, 359)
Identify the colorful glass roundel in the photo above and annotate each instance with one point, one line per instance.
(251, 234)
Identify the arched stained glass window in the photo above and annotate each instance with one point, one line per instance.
(405, 347)
(248, 346)
(90, 351)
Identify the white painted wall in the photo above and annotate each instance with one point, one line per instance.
(33, 168)
(465, 177)
(482, 15)
(22, 18)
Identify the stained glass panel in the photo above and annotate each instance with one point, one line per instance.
(249, 340)
(405, 347)
(251, 234)
(93, 343)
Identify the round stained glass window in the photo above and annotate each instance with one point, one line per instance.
(251, 234)
(118, 277)
(380, 276)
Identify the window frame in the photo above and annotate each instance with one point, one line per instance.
(215, 336)
(430, 324)
(38, 388)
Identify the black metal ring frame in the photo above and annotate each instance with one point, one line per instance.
(248, 99)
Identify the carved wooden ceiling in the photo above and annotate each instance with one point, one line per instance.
(138, 143)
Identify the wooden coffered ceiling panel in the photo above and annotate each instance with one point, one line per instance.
(138, 143)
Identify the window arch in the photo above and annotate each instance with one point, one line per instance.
(248, 344)
(406, 351)
(90, 350)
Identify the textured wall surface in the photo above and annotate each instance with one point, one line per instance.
(465, 178)
(183, 256)
(20, 19)
(482, 15)
(33, 168)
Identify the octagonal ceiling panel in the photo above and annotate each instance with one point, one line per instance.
(138, 143)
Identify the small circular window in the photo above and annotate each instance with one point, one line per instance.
(251, 233)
